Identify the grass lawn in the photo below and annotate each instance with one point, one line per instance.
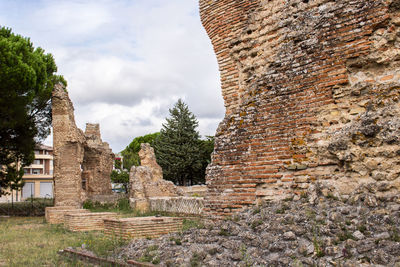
(30, 241)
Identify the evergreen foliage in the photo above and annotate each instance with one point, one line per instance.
(206, 148)
(27, 78)
(178, 148)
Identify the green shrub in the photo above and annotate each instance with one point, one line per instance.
(123, 204)
(318, 248)
(88, 204)
(256, 223)
(224, 232)
(195, 260)
(192, 223)
(346, 235)
(150, 255)
(256, 210)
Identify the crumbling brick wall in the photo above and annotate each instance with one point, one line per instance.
(68, 143)
(82, 162)
(98, 162)
(311, 91)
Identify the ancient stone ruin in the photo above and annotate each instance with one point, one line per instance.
(146, 181)
(82, 161)
(311, 91)
(97, 162)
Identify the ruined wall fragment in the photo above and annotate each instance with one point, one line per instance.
(146, 181)
(148, 159)
(82, 162)
(98, 162)
(68, 142)
(313, 92)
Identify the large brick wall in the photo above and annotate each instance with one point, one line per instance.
(222, 20)
(311, 93)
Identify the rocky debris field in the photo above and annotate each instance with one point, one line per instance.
(314, 229)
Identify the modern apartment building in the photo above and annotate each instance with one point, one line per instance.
(38, 177)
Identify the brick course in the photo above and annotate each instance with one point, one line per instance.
(55, 215)
(87, 221)
(141, 227)
(297, 77)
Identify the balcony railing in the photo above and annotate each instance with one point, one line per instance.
(36, 166)
(43, 156)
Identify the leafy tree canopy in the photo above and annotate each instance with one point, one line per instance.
(131, 152)
(27, 78)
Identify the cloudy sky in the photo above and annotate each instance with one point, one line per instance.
(126, 61)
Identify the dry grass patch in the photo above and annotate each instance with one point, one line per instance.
(30, 241)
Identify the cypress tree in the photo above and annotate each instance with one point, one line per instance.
(177, 146)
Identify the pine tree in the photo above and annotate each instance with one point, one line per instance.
(177, 147)
(27, 79)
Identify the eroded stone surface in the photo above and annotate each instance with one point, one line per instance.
(146, 181)
(311, 90)
(148, 159)
(68, 143)
(98, 160)
(82, 162)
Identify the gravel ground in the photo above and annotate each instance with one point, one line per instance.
(315, 229)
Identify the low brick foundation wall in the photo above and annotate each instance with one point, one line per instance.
(55, 215)
(181, 205)
(106, 199)
(141, 227)
(87, 221)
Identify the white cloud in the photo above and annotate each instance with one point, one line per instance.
(80, 19)
(126, 62)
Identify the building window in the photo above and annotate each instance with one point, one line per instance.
(46, 189)
(36, 161)
(27, 171)
(36, 152)
(36, 171)
(28, 190)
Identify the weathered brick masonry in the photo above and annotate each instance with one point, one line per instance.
(55, 215)
(87, 221)
(311, 91)
(82, 161)
(141, 227)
